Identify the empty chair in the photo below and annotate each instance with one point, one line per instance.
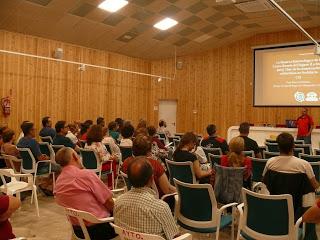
(47, 139)
(307, 148)
(125, 152)
(83, 217)
(214, 151)
(309, 158)
(214, 159)
(228, 184)
(203, 216)
(297, 151)
(56, 148)
(267, 155)
(272, 147)
(91, 160)
(182, 171)
(267, 217)
(125, 234)
(16, 187)
(249, 153)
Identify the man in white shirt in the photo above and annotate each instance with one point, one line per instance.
(139, 210)
(287, 163)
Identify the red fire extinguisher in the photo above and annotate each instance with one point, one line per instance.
(6, 106)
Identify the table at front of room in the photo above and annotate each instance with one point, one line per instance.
(260, 134)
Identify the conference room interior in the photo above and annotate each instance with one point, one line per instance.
(221, 62)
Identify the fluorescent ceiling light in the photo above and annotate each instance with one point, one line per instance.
(165, 24)
(112, 5)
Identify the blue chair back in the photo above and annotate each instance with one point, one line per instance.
(47, 139)
(182, 171)
(298, 141)
(270, 215)
(228, 184)
(258, 166)
(297, 151)
(267, 155)
(90, 159)
(272, 147)
(317, 151)
(271, 141)
(306, 147)
(309, 158)
(248, 153)
(28, 164)
(56, 148)
(189, 207)
(213, 151)
(214, 159)
(125, 152)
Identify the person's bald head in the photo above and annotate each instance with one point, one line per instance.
(67, 156)
(140, 172)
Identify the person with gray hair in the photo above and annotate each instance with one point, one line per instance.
(82, 189)
(139, 210)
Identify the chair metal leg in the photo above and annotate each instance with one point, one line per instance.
(34, 191)
(34, 183)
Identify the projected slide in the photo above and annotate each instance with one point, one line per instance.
(287, 76)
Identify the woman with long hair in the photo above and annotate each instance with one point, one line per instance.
(185, 152)
(236, 158)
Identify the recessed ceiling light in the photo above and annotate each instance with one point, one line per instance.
(112, 5)
(165, 24)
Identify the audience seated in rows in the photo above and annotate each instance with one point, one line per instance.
(84, 129)
(236, 158)
(249, 144)
(115, 150)
(113, 127)
(138, 209)
(47, 129)
(142, 147)
(185, 152)
(127, 133)
(82, 189)
(120, 123)
(287, 163)
(213, 141)
(163, 128)
(72, 133)
(101, 122)
(8, 205)
(60, 138)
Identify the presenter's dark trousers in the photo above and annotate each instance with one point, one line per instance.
(307, 139)
(101, 231)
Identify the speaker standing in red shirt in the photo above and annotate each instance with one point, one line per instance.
(305, 126)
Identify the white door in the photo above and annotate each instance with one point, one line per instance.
(167, 112)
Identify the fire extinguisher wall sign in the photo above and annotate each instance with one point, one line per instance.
(6, 105)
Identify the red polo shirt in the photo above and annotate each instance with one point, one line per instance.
(304, 124)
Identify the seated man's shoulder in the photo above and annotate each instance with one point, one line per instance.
(220, 139)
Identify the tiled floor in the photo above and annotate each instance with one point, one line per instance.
(52, 224)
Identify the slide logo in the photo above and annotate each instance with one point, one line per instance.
(299, 96)
(312, 97)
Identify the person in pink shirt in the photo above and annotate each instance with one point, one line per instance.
(81, 189)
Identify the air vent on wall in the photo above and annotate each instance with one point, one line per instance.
(254, 6)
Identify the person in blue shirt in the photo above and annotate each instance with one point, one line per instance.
(47, 129)
(60, 138)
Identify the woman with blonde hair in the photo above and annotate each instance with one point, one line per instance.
(236, 158)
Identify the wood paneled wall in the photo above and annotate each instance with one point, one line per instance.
(40, 87)
(218, 85)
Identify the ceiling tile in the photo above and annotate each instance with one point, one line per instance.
(223, 35)
(197, 7)
(170, 11)
(186, 31)
(215, 17)
(230, 25)
(142, 15)
(182, 42)
(162, 36)
(113, 19)
(82, 10)
(142, 3)
(209, 28)
(40, 2)
(191, 20)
